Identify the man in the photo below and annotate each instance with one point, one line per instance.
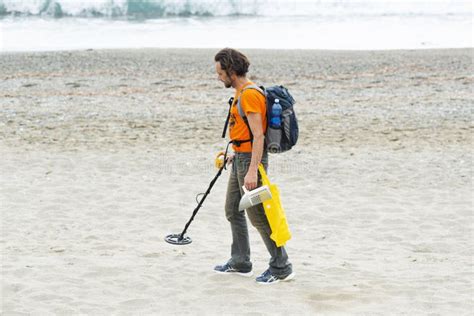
(248, 145)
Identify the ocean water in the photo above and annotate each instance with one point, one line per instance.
(45, 25)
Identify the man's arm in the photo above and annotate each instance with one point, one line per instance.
(255, 123)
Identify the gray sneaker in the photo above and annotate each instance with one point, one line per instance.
(268, 278)
(227, 269)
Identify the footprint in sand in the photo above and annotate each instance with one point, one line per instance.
(29, 85)
(73, 84)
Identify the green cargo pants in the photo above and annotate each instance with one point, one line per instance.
(240, 250)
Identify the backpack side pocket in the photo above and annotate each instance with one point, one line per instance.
(273, 139)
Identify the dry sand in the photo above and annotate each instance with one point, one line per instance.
(103, 152)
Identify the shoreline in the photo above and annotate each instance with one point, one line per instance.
(243, 48)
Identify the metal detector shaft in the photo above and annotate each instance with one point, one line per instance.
(202, 200)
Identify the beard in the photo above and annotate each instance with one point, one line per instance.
(227, 82)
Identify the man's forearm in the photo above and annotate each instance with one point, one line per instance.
(257, 152)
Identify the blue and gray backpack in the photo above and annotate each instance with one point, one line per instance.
(277, 140)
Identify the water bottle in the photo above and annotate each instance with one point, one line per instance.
(275, 121)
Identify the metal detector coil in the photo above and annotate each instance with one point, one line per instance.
(176, 239)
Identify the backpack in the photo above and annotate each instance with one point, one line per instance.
(276, 140)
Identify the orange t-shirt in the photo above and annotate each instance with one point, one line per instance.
(251, 101)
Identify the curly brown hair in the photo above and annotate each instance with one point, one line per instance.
(232, 61)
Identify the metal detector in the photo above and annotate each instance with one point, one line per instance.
(181, 239)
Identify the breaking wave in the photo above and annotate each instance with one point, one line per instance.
(147, 9)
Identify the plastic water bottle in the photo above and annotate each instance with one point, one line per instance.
(275, 121)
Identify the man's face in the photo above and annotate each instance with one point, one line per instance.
(222, 76)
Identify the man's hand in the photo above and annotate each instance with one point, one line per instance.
(250, 180)
(230, 158)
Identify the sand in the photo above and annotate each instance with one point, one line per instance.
(103, 152)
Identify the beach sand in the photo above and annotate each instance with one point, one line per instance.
(103, 153)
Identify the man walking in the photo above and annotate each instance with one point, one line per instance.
(248, 145)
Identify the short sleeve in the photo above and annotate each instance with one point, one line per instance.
(252, 101)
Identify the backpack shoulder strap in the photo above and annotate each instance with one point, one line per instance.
(239, 106)
(231, 101)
